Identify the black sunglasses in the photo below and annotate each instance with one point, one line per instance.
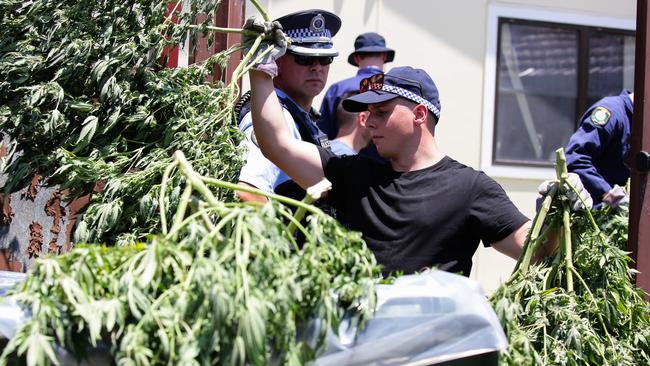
(310, 60)
(376, 82)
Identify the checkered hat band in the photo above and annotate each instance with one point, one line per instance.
(412, 97)
(307, 33)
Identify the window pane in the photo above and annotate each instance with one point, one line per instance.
(611, 65)
(537, 89)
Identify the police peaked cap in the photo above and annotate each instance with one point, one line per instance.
(311, 32)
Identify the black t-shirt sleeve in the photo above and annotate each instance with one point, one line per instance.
(348, 175)
(496, 215)
(327, 156)
(334, 172)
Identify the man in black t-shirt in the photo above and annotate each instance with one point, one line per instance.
(420, 209)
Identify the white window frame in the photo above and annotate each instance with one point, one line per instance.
(496, 11)
(183, 49)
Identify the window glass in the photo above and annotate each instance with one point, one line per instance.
(547, 76)
(611, 65)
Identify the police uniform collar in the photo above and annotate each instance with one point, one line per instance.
(281, 94)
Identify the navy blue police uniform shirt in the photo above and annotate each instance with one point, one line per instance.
(597, 150)
(328, 122)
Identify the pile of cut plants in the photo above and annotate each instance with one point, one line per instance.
(578, 306)
(181, 273)
(223, 283)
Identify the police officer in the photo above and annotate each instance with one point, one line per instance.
(597, 150)
(391, 204)
(370, 54)
(301, 74)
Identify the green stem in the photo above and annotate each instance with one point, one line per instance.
(156, 303)
(587, 210)
(228, 52)
(246, 252)
(566, 247)
(252, 64)
(204, 216)
(194, 178)
(553, 272)
(593, 300)
(244, 62)
(260, 9)
(189, 219)
(560, 165)
(600, 318)
(240, 261)
(565, 243)
(273, 196)
(545, 335)
(197, 181)
(231, 50)
(171, 13)
(293, 224)
(300, 212)
(534, 241)
(221, 30)
(199, 254)
(226, 219)
(235, 48)
(182, 206)
(562, 173)
(161, 197)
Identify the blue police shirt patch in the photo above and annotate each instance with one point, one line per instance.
(600, 116)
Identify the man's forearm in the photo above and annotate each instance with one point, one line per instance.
(270, 128)
(513, 244)
(300, 160)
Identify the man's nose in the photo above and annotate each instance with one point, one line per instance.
(315, 65)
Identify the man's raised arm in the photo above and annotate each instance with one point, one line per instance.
(299, 159)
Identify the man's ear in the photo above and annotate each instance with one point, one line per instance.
(362, 117)
(420, 113)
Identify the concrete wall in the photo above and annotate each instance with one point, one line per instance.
(449, 39)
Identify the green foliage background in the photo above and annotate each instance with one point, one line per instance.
(85, 99)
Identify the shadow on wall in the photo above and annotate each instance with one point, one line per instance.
(367, 8)
(423, 31)
(461, 24)
(337, 7)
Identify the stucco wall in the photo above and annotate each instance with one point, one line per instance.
(448, 39)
